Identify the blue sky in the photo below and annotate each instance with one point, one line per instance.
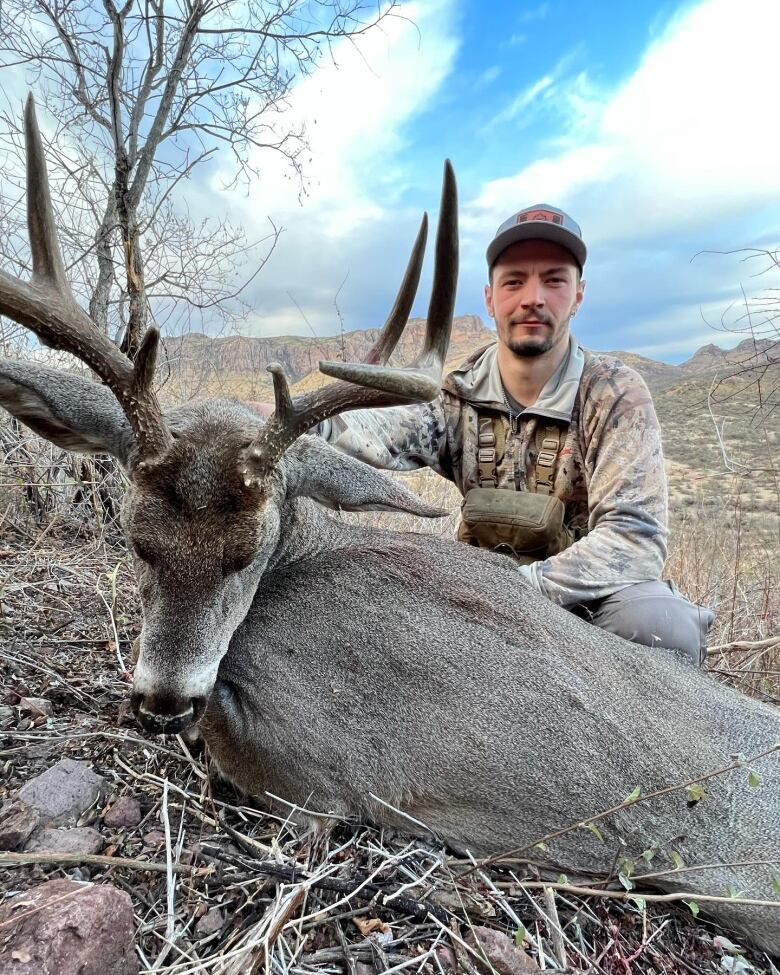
(653, 124)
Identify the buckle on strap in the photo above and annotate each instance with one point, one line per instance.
(487, 455)
(546, 457)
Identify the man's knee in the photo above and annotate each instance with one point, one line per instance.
(656, 615)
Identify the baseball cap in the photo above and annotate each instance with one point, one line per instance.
(539, 222)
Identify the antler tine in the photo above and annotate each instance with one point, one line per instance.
(372, 383)
(441, 307)
(399, 314)
(47, 307)
(45, 247)
(421, 380)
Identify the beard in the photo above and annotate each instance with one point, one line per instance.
(528, 348)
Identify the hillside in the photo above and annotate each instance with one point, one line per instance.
(236, 365)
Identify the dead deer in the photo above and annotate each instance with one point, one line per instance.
(357, 672)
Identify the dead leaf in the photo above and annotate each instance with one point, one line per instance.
(370, 925)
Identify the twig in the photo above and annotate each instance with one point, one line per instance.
(626, 804)
(769, 644)
(554, 926)
(99, 859)
(171, 883)
(633, 895)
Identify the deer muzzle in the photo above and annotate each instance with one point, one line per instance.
(166, 714)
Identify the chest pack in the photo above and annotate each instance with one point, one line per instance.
(528, 525)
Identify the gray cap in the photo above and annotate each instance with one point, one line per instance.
(540, 222)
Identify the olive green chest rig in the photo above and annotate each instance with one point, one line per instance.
(527, 525)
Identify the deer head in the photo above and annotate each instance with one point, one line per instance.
(210, 486)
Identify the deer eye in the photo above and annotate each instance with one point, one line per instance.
(235, 564)
(143, 553)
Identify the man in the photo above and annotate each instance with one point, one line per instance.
(536, 415)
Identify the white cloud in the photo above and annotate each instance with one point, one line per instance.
(684, 148)
(539, 12)
(690, 136)
(354, 108)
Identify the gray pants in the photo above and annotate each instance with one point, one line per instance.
(655, 614)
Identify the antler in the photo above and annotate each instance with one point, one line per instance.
(372, 383)
(47, 307)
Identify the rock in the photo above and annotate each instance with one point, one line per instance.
(36, 706)
(154, 838)
(68, 928)
(210, 923)
(446, 958)
(18, 822)
(63, 792)
(126, 811)
(501, 952)
(80, 839)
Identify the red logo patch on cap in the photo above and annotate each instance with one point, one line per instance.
(547, 215)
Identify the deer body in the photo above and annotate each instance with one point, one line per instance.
(371, 674)
(462, 698)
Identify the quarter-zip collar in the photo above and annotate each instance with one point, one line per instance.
(478, 382)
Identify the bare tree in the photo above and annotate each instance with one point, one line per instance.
(142, 93)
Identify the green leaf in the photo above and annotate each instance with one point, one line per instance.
(521, 936)
(694, 793)
(735, 894)
(740, 758)
(676, 859)
(595, 830)
(648, 855)
(639, 901)
(625, 866)
(776, 884)
(626, 881)
(562, 879)
(633, 795)
(754, 779)
(540, 846)
(693, 907)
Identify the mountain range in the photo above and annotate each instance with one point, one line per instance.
(719, 410)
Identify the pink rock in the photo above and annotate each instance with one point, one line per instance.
(500, 951)
(80, 839)
(68, 928)
(36, 706)
(126, 811)
(210, 923)
(17, 823)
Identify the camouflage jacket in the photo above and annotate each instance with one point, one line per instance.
(609, 473)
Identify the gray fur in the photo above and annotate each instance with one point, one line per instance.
(348, 662)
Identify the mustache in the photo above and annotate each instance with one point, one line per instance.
(539, 316)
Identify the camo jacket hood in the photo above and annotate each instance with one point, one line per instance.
(609, 474)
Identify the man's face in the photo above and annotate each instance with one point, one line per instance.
(534, 291)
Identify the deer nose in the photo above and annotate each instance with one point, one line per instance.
(162, 714)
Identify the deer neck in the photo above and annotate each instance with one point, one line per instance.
(307, 530)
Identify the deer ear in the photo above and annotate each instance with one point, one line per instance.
(72, 412)
(314, 469)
